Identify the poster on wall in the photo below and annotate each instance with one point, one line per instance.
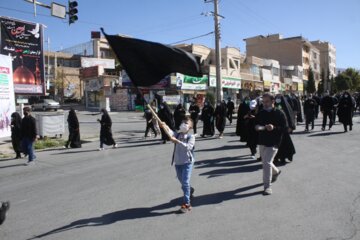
(22, 41)
(7, 98)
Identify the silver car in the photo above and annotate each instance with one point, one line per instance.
(46, 104)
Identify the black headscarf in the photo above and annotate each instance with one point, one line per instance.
(16, 119)
(72, 119)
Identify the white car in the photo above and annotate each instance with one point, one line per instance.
(46, 104)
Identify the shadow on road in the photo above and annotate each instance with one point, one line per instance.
(227, 147)
(78, 151)
(14, 165)
(137, 213)
(325, 134)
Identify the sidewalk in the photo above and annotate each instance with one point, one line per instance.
(89, 127)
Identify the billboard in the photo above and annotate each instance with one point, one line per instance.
(7, 98)
(23, 41)
(91, 62)
(185, 82)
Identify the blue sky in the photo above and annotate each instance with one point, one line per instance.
(169, 21)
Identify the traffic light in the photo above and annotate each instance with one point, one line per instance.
(73, 12)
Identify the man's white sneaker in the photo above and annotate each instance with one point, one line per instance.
(115, 146)
(100, 149)
(267, 191)
(253, 157)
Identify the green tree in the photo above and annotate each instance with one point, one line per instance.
(332, 85)
(321, 86)
(343, 82)
(210, 97)
(310, 88)
(354, 77)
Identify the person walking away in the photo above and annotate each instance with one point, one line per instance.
(165, 116)
(183, 157)
(317, 109)
(28, 133)
(345, 111)
(105, 130)
(230, 109)
(179, 115)
(220, 117)
(270, 124)
(243, 109)
(74, 130)
(310, 106)
(16, 133)
(207, 116)
(252, 138)
(286, 149)
(149, 122)
(194, 111)
(327, 108)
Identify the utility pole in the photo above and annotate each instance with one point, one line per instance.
(219, 92)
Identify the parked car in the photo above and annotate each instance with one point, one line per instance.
(46, 104)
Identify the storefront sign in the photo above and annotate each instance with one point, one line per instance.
(90, 62)
(267, 84)
(172, 99)
(163, 84)
(185, 82)
(93, 85)
(23, 42)
(226, 82)
(7, 98)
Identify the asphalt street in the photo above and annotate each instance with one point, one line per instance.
(132, 193)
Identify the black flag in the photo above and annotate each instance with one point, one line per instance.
(147, 63)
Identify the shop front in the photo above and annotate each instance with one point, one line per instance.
(97, 93)
(230, 86)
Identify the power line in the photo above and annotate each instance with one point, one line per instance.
(200, 36)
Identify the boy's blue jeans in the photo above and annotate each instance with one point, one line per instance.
(183, 173)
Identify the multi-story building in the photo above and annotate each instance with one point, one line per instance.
(294, 51)
(291, 78)
(327, 59)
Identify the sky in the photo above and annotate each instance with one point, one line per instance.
(171, 21)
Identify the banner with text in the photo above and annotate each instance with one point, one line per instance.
(23, 42)
(7, 98)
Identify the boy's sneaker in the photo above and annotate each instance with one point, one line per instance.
(185, 208)
(115, 145)
(3, 210)
(253, 157)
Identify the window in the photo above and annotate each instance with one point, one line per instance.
(315, 55)
(231, 64)
(255, 70)
(275, 71)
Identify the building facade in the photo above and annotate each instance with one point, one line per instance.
(294, 51)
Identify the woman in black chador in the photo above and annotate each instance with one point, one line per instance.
(179, 115)
(220, 117)
(240, 125)
(286, 148)
(345, 110)
(250, 123)
(16, 133)
(207, 116)
(166, 116)
(74, 131)
(105, 130)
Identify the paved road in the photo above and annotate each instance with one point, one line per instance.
(132, 193)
